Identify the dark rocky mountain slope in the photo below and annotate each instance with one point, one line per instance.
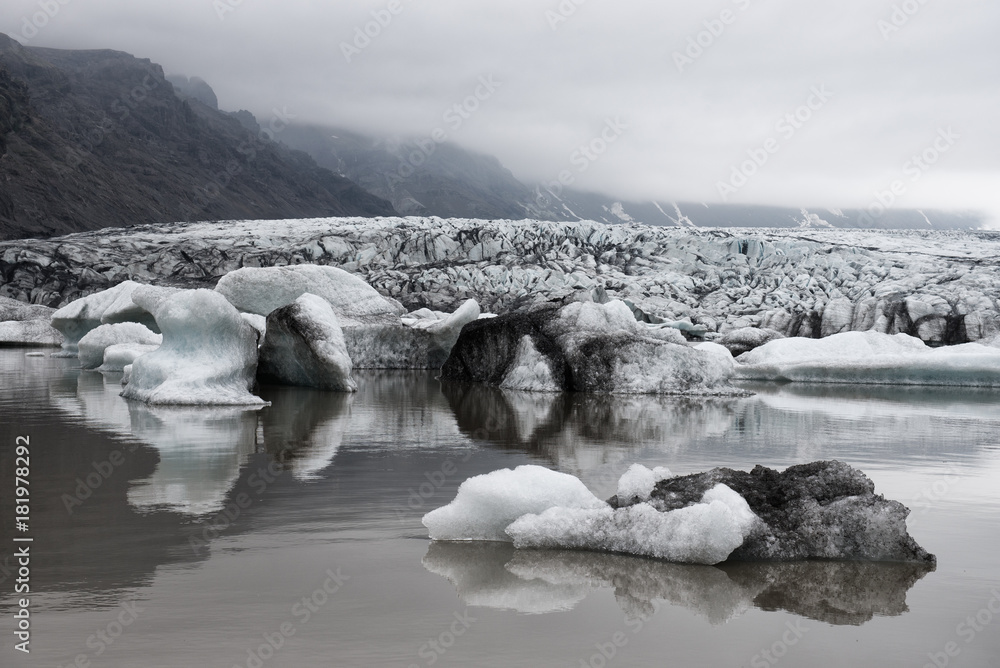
(92, 139)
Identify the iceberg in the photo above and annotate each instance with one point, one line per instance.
(872, 358)
(120, 355)
(208, 355)
(822, 510)
(486, 504)
(92, 346)
(703, 533)
(79, 317)
(586, 347)
(29, 333)
(261, 291)
(304, 346)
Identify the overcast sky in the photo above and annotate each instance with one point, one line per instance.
(692, 90)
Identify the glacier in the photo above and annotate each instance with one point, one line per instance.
(937, 285)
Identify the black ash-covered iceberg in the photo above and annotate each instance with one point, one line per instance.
(585, 347)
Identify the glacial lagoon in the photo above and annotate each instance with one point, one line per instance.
(291, 535)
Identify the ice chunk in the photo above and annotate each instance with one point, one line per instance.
(208, 355)
(120, 355)
(874, 358)
(12, 310)
(304, 346)
(261, 291)
(586, 347)
(638, 481)
(529, 370)
(486, 504)
(84, 314)
(96, 341)
(704, 533)
(29, 333)
(124, 309)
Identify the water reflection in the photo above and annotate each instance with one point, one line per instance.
(201, 452)
(495, 575)
(304, 427)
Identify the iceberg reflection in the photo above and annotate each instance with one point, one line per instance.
(496, 575)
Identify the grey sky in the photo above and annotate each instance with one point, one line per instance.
(564, 74)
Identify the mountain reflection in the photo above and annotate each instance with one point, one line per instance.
(495, 575)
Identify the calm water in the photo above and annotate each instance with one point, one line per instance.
(204, 531)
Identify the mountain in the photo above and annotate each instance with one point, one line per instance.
(422, 178)
(92, 139)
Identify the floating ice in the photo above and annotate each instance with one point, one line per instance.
(94, 343)
(529, 370)
(873, 358)
(486, 504)
(29, 333)
(704, 533)
(261, 291)
(638, 481)
(120, 355)
(822, 510)
(586, 347)
(304, 346)
(79, 317)
(208, 355)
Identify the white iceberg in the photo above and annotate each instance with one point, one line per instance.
(486, 504)
(538, 508)
(261, 291)
(120, 355)
(638, 482)
(871, 358)
(29, 333)
(82, 315)
(208, 355)
(704, 533)
(92, 346)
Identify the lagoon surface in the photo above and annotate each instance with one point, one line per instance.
(188, 537)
